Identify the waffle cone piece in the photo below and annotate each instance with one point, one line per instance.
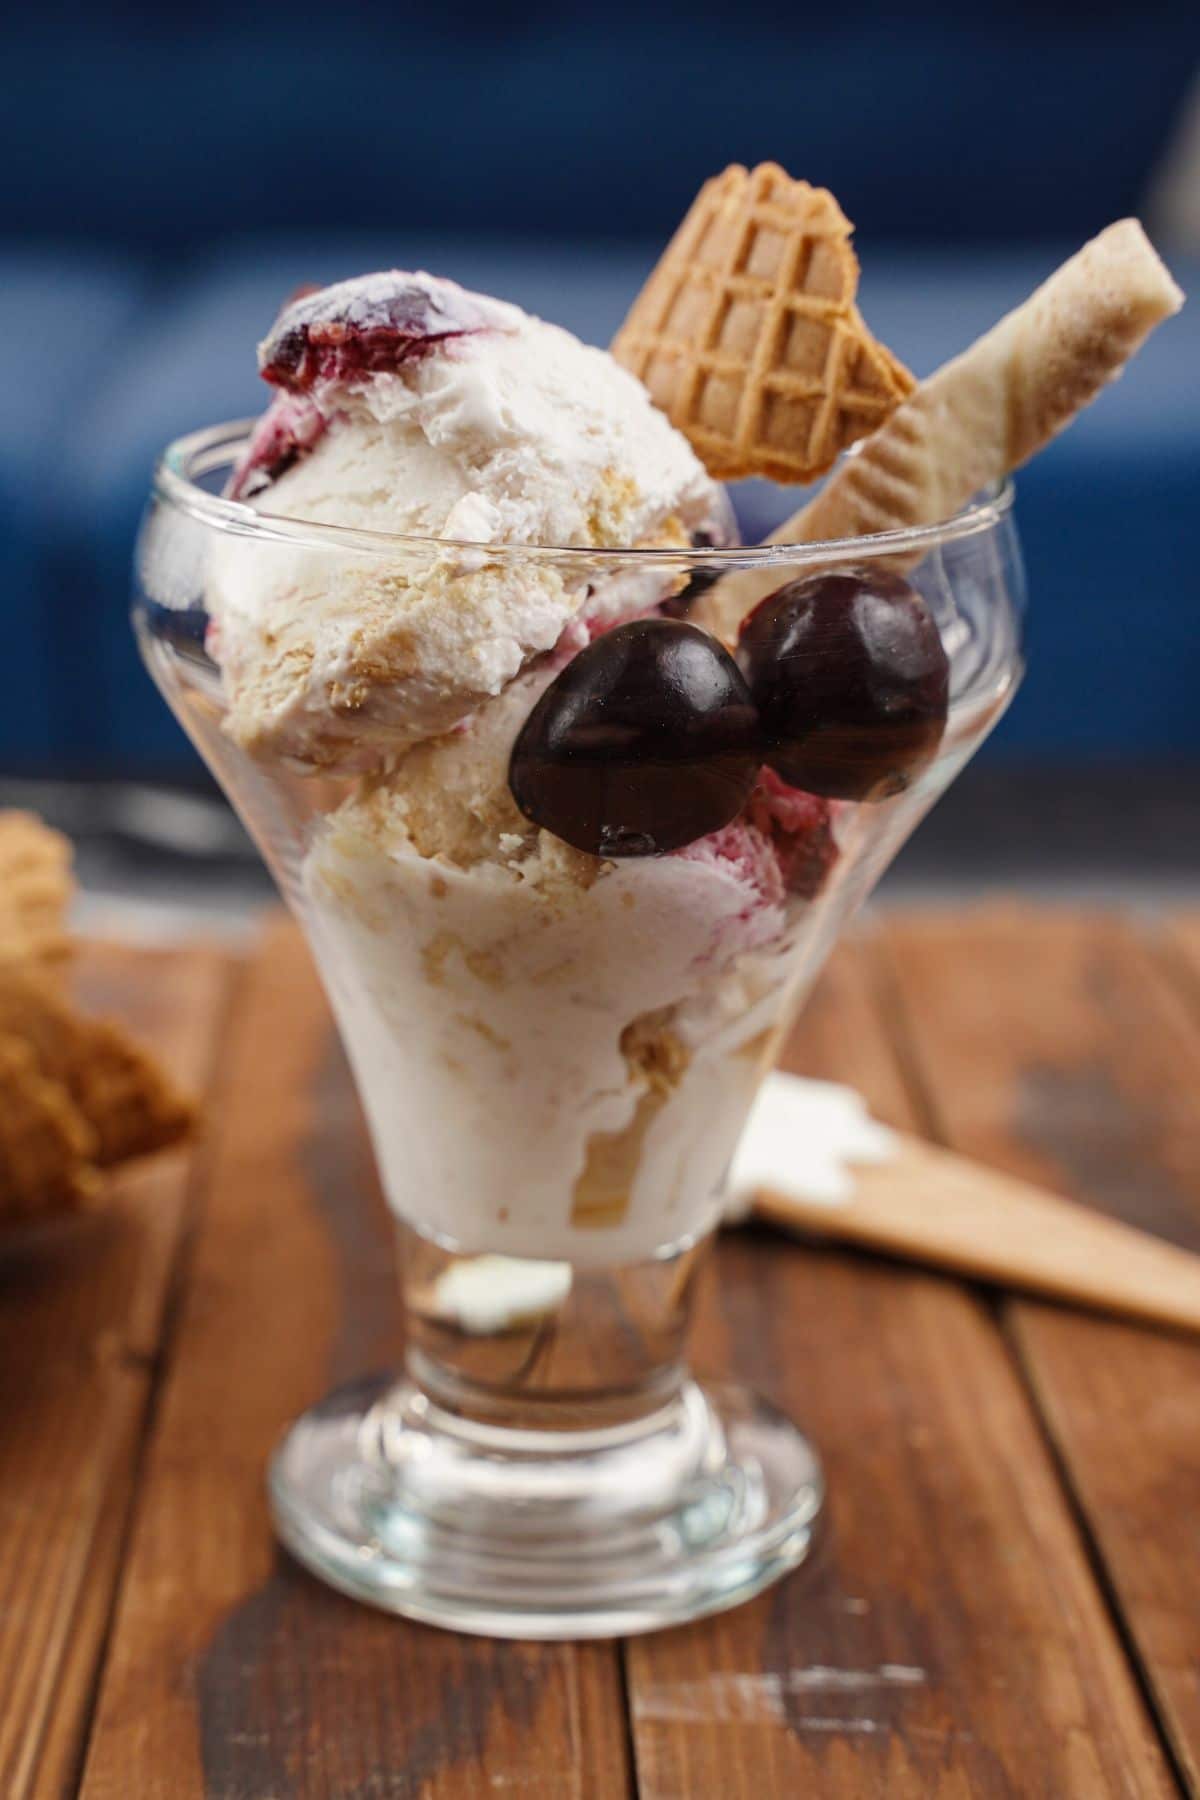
(984, 413)
(747, 334)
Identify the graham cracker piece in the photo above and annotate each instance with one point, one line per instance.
(46, 1144)
(127, 1102)
(36, 887)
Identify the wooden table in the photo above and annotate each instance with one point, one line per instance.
(1007, 1599)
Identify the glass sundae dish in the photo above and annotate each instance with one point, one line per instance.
(571, 794)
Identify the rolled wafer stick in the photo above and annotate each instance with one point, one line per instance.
(984, 413)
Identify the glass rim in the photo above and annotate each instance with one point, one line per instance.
(199, 452)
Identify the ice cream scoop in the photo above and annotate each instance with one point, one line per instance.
(408, 406)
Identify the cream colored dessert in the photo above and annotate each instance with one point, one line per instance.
(556, 1052)
(556, 1049)
(556, 1055)
(488, 427)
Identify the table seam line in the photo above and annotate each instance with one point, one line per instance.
(233, 981)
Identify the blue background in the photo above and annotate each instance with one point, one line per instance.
(170, 177)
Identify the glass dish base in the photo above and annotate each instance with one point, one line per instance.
(520, 1533)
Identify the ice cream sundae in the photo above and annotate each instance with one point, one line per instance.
(572, 793)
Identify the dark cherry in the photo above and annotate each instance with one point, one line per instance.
(369, 326)
(851, 682)
(645, 742)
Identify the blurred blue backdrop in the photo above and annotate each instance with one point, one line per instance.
(171, 176)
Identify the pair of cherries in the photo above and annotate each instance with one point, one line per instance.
(654, 735)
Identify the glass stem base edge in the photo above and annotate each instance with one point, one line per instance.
(696, 1507)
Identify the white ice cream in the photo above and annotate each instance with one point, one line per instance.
(512, 433)
(805, 1139)
(556, 1055)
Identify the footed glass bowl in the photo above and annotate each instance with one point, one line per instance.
(556, 1056)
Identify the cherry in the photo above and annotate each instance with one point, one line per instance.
(851, 681)
(646, 741)
(371, 325)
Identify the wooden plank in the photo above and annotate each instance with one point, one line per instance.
(1064, 1051)
(949, 1639)
(232, 1674)
(82, 1305)
(1184, 929)
(1062, 1047)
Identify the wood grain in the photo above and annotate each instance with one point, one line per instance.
(1181, 936)
(949, 1639)
(232, 1674)
(1068, 1049)
(82, 1307)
